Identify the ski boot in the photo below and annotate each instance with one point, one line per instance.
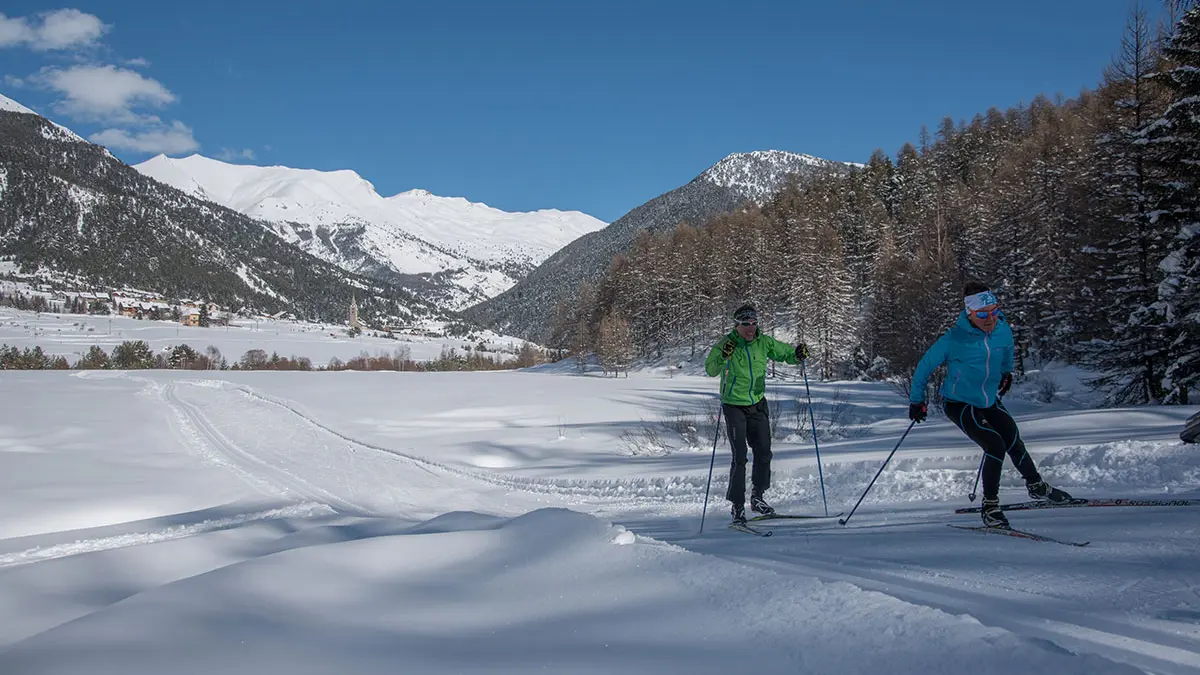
(992, 515)
(738, 511)
(1041, 491)
(760, 505)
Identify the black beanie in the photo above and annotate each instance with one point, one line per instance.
(745, 312)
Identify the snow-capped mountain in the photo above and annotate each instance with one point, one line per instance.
(526, 308)
(453, 250)
(759, 175)
(53, 131)
(69, 207)
(10, 105)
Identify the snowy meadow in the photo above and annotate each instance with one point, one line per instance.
(547, 520)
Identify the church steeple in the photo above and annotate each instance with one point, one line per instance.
(353, 318)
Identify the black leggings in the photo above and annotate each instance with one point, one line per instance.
(994, 430)
(748, 424)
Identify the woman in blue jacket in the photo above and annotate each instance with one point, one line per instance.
(978, 353)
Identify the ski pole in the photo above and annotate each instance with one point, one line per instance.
(971, 495)
(816, 446)
(843, 521)
(716, 435)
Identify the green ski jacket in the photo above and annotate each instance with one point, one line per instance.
(745, 380)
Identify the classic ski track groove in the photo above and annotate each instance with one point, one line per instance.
(283, 482)
(1142, 646)
(562, 487)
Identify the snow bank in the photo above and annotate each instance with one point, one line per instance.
(549, 591)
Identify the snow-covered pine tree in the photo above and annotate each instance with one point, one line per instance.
(833, 316)
(1127, 344)
(1176, 138)
(815, 278)
(859, 220)
(914, 194)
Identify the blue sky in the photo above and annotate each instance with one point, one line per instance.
(594, 106)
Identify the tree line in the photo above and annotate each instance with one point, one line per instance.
(1083, 214)
(138, 355)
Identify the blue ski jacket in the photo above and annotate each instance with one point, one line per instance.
(974, 360)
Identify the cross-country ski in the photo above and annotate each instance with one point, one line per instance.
(1089, 502)
(1010, 532)
(790, 516)
(750, 529)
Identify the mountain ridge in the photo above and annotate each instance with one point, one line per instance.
(68, 205)
(527, 309)
(457, 250)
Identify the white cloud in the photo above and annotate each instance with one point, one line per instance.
(58, 30)
(114, 96)
(172, 139)
(14, 32)
(104, 93)
(232, 155)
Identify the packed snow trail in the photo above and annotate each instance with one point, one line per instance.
(1122, 598)
(285, 437)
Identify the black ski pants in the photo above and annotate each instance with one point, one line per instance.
(994, 430)
(750, 424)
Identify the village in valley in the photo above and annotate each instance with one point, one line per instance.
(41, 292)
(49, 321)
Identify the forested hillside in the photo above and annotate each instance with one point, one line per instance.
(1084, 215)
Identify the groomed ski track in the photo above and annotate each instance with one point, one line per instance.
(1008, 584)
(1152, 647)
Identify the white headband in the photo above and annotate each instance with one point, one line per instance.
(980, 300)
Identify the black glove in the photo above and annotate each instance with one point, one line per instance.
(801, 351)
(727, 349)
(917, 412)
(1005, 383)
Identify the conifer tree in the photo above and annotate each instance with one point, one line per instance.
(1128, 349)
(1176, 137)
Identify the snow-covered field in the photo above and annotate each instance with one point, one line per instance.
(70, 335)
(508, 522)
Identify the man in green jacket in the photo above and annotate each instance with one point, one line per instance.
(740, 358)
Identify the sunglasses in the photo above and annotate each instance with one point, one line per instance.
(747, 323)
(986, 314)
